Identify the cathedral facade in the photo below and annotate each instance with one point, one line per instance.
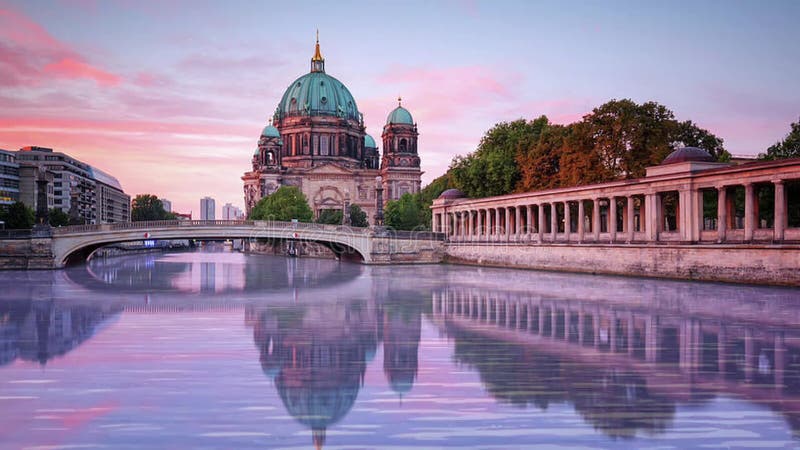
(317, 141)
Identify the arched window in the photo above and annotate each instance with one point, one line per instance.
(403, 145)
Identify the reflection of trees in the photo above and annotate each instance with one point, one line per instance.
(40, 331)
(317, 355)
(616, 402)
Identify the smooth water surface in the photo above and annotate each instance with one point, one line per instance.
(225, 350)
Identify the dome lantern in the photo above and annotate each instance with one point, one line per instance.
(317, 61)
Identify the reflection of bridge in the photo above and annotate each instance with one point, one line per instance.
(676, 351)
(76, 243)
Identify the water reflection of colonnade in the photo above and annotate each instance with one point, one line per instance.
(742, 351)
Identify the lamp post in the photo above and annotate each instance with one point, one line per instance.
(346, 212)
(378, 201)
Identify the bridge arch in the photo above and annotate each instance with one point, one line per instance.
(72, 244)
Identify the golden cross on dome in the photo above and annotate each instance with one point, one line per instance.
(399, 101)
(317, 53)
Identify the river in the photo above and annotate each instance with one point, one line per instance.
(225, 350)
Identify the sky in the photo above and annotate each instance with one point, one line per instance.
(170, 97)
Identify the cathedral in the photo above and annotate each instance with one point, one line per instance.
(317, 141)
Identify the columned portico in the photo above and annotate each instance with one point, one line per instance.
(683, 203)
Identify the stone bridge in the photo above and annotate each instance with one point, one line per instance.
(58, 247)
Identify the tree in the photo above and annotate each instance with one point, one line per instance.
(17, 216)
(789, 147)
(424, 198)
(492, 168)
(148, 207)
(58, 218)
(358, 218)
(330, 216)
(285, 204)
(690, 135)
(404, 213)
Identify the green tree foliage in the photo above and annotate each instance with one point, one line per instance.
(330, 217)
(492, 168)
(148, 207)
(617, 140)
(405, 213)
(285, 204)
(17, 216)
(58, 218)
(789, 147)
(358, 218)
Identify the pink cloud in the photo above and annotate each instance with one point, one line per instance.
(71, 68)
(30, 55)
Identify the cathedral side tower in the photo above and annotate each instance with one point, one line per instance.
(400, 163)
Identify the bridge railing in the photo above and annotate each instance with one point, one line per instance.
(15, 234)
(161, 224)
(256, 224)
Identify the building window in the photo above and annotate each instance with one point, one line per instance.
(323, 149)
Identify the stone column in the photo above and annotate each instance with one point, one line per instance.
(631, 212)
(596, 219)
(780, 211)
(517, 221)
(529, 222)
(749, 211)
(612, 218)
(480, 230)
(540, 230)
(507, 228)
(497, 230)
(567, 221)
(470, 229)
(581, 221)
(722, 213)
(553, 220)
(446, 223)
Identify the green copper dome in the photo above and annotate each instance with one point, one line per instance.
(256, 153)
(369, 142)
(270, 131)
(318, 94)
(400, 115)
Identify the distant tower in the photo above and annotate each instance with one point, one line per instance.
(207, 208)
(400, 164)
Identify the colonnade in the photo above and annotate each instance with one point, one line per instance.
(745, 351)
(628, 212)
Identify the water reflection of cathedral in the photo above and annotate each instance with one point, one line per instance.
(317, 354)
(623, 367)
(41, 330)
